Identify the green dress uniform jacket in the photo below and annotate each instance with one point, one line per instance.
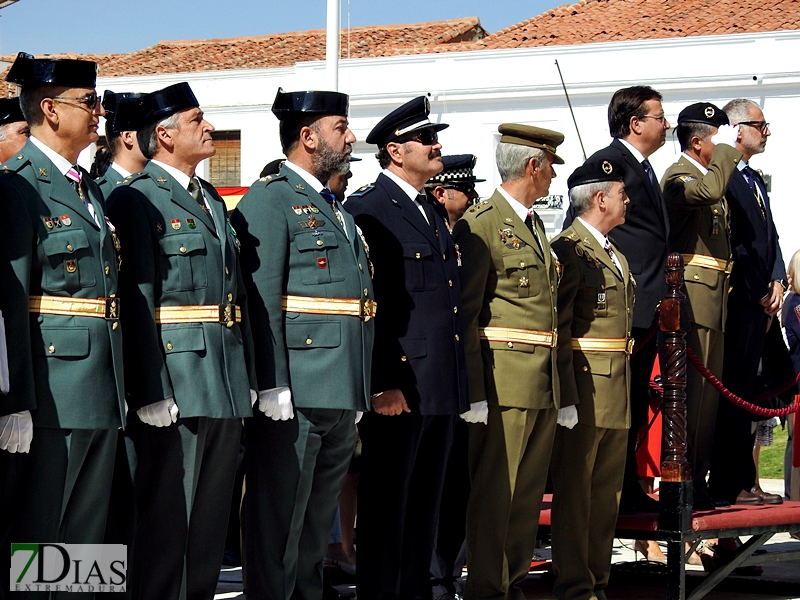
(67, 368)
(508, 280)
(109, 180)
(176, 255)
(595, 300)
(698, 214)
(295, 246)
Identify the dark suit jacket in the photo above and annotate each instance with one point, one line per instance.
(643, 238)
(757, 258)
(418, 338)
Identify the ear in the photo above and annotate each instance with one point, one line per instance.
(308, 138)
(532, 167)
(439, 193)
(49, 110)
(635, 125)
(164, 136)
(128, 138)
(600, 200)
(393, 149)
(695, 143)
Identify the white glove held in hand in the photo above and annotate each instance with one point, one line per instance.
(478, 413)
(726, 135)
(276, 403)
(159, 414)
(16, 432)
(253, 397)
(568, 416)
(359, 414)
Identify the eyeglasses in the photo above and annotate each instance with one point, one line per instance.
(660, 118)
(90, 101)
(426, 137)
(762, 126)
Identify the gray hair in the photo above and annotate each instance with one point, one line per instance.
(3, 129)
(146, 136)
(513, 158)
(738, 110)
(581, 195)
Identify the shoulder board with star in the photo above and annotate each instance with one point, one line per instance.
(363, 190)
(479, 208)
(569, 236)
(267, 179)
(134, 177)
(14, 164)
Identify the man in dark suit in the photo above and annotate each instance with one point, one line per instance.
(58, 282)
(122, 114)
(419, 379)
(758, 281)
(189, 364)
(637, 123)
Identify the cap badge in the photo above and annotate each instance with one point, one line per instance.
(607, 168)
(709, 111)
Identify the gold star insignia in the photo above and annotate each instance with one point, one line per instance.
(299, 187)
(42, 172)
(161, 180)
(20, 157)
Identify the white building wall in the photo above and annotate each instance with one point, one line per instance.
(476, 91)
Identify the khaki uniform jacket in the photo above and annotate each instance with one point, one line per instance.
(293, 244)
(595, 300)
(508, 281)
(698, 214)
(68, 368)
(174, 254)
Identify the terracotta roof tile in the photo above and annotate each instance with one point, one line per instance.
(618, 20)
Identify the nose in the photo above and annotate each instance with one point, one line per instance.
(350, 137)
(208, 126)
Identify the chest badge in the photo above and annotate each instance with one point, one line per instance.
(523, 282)
(191, 224)
(48, 222)
(312, 222)
(313, 209)
(176, 224)
(161, 180)
(322, 262)
(509, 240)
(65, 220)
(71, 265)
(298, 210)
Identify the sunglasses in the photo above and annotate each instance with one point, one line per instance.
(762, 126)
(426, 137)
(90, 101)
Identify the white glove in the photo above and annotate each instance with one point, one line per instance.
(359, 414)
(159, 414)
(478, 413)
(253, 397)
(568, 416)
(276, 403)
(726, 135)
(16, 432)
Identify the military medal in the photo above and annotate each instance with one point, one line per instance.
(71, 265)
(312, 223)
(313, 209)
(523, 282)
(48, 222)
(458, 254)
(56, 222)
(304, 208)
(176, 224)
(297, 210)
(65, 220)
(191, 224)
(322, 262)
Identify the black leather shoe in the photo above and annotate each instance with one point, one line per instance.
(766, 497)
(747, 498)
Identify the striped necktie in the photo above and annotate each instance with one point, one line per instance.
(75, 176)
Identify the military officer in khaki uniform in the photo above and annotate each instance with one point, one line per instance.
(595, 313)
(122, 115)
(509, 278)
(694, 189)
(59, 300)
(189, 358)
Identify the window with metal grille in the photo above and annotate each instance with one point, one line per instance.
(225, 167)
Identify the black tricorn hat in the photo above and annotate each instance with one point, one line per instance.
(310, 102)
(157, 106)
(703, 112)
(457, 168)
(122, 110)
(67, 72)
(597, 169)
(10, 112)
(411, 116)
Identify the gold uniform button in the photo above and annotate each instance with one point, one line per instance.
(169, 346)
(51, 349)
(70, 247)
(309, 341)
(522, 264)
(360, 268)
(450, 282)
(114, 326)
(628, 309)
(418, 255)
(510, 344)
(696, 277)
(552, 288)
(108, 269)
(230, 297)
(320, 242)
(366, 292)
(444, 257)
(403, 358)
(183, 249)
(585, 368)
(455, 309)
(227, 271)
(458, 338)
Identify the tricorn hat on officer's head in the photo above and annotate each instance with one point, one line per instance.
(411, 116)
(122, 110)
(10, 112)
(535, 137)
(597, 169)
(66, 72)
(457, 168)
(157, 106)
(310, 102)
(703, 112)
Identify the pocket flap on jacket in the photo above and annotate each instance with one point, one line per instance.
(183, 338)
(182, 243)
(310, 334)
(519, 261)
(64, 242)
(415, 347)
(416, 251)
(309, 241)
(599, 365)
(64, 342)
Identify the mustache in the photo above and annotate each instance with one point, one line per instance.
(434, 154)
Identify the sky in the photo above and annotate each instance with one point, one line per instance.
(110, 26)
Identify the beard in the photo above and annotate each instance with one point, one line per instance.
(327, 162)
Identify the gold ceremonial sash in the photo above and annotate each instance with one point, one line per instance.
(226, 314)
(603, 344)
(103, 308)
(353, 307)
(706, 262)
(520, 336)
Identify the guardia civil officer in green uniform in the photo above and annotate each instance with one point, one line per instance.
(508, 279)
(694, 192)
(189, 363)
(122, 116)
(595, 314)
(312, 308)
(60, 305)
